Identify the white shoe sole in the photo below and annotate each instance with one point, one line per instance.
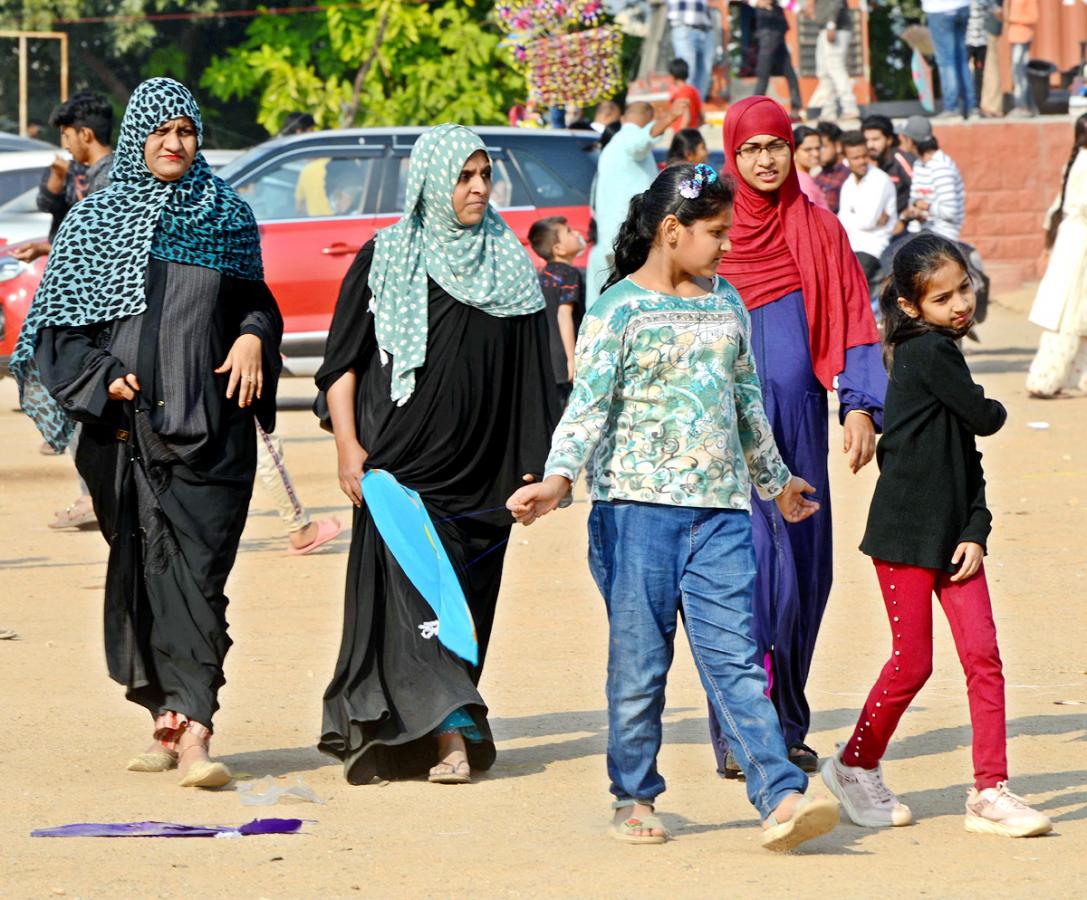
(826, 772)
(978, 825)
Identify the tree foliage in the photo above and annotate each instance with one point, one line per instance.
(890, 56)
(114, 55)
(377, 62)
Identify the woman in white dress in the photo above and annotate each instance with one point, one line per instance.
(1061, 304)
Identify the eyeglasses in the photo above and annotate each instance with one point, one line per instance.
(751, 152)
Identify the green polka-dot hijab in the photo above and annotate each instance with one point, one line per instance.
(482, 265)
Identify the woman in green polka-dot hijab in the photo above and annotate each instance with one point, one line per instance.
(437, 371)
(477, 260)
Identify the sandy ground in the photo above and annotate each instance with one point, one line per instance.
(535, 824)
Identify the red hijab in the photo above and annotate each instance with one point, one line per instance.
(782, 242)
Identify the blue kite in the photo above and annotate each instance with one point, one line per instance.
(408, 532)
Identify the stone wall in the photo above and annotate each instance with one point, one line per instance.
(1012, 171)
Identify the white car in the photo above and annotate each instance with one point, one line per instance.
(20, 219)
(21, 170)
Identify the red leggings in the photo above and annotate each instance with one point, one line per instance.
(907, 594)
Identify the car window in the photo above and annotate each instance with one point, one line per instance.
(501, 187)
(16, 181)
(310, 186)
(24, 203)
(545, 186)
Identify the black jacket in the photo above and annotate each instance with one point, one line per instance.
(931, 490)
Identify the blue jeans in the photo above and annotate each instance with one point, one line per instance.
(1020, 82)
(695, 46)
(652, 561)
(948, 32)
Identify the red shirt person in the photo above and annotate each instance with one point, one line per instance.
(684, 90)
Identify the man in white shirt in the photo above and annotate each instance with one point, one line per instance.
(868, 205)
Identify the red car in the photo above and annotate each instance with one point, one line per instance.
(309, 239)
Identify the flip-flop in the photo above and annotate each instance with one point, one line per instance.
(624, 830)
(804, 758)
(74, 518)
(459, 773)
(7, 634)
(812, 816)
(327, 529)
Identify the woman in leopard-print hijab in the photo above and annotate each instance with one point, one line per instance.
(153, 328)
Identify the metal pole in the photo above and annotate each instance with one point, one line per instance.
(22, 86)
(63, 66)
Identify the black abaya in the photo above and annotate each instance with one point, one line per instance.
(170, 473)
(479, 420)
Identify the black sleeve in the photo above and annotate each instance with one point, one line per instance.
(351, 339)
(48, 202)
(948, 378)
(980, 522)
(261, 317)
(77, 370)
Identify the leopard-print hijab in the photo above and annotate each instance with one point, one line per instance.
(97, 267)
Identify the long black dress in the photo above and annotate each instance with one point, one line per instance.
(170, 473)
(481, 417)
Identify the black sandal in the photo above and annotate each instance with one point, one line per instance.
(804, 758)
(733, 772)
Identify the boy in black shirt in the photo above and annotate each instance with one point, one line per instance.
(564, 291)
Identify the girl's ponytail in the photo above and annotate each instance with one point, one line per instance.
(685, 191)
(1079, 143)
(631, 244)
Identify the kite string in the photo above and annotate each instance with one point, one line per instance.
(486, 553)
(478, 512)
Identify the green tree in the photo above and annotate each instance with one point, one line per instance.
(890, 55)
(378, 62)
(120, 47)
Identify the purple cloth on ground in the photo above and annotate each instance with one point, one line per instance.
(168, 829)
(794, 561)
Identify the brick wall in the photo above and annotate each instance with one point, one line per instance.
(1012, 171)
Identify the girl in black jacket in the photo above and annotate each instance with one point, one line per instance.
(926, 534)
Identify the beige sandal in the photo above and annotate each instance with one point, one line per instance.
(153, 761)
(206, 774)
(812, 816)
(455, 773)
(624, 830)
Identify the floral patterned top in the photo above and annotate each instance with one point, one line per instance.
(666, 405)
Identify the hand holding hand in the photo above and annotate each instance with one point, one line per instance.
(971, 556)
(534, 500)
(794, 506)
(123, 388)
(860, 439)
(349, 461)
(243, 362)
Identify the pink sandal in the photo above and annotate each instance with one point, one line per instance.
(327, 529)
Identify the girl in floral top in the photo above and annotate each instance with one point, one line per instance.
(666, 413)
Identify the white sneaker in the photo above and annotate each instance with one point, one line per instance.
(863, 795)
(997, 810)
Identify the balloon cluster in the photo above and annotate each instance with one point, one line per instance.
(562, 62)
(577, 69)
(539, 17)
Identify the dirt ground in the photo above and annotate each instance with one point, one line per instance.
(534, 825)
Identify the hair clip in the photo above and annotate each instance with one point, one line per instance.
(691, 188)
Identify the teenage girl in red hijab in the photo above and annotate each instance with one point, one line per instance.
(813, 331)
